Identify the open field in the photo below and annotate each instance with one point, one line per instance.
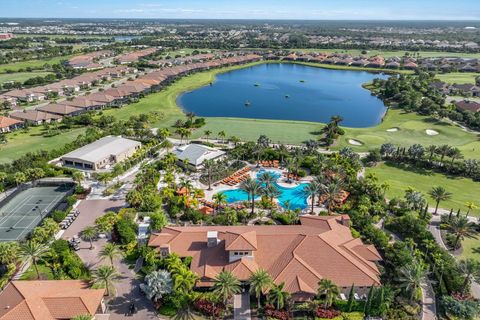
(21, 76)
(400, 177)
(20, 142)
(458, 77)
(36, 64)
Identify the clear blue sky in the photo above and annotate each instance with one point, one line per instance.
(246, 9)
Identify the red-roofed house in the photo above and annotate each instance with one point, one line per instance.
(8, 124)
(322, 247)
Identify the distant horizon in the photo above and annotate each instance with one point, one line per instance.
(243, 19)
(316, 10)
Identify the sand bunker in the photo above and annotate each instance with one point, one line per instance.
(431, 132)
(393, 130)
(355, 142)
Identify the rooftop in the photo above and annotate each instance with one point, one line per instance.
(195, 154)
(102, 148)
(299, 255)
(48, 300)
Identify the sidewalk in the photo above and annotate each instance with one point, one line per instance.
(241, 306)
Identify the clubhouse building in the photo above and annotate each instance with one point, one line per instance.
(322, 247)
(101, 154)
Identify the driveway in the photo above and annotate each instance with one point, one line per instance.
(127, 286)
(241, 306)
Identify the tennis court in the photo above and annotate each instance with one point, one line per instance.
(27, 209)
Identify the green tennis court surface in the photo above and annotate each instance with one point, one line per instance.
(27, 209)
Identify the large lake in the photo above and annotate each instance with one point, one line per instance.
(288, 92)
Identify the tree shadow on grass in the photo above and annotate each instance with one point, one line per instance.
(409, 168)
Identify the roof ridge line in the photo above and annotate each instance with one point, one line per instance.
(343, 253)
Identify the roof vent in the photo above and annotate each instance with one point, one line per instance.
(212, 239)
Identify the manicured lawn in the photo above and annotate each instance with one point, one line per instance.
(37, 64)
(45, 273)
(400, 178)
(458, 77)
(471, 249)
(21, 76)
(20, 142)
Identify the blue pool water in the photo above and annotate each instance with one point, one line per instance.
(289, 92)
(294, 196)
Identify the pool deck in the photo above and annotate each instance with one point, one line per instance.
(282, 182)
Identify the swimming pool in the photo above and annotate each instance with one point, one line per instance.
(294, 197)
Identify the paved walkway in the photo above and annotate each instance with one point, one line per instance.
(241, 306)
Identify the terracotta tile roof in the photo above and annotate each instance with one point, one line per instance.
(81, 102)
(6, 122)
(34, 115)
(299, 255)
(48, 300)
(62, 109)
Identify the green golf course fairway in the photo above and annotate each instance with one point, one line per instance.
(400, 177)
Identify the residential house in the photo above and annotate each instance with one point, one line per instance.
(51, 300)
(468, 106)
(61, 109)
(35, 117)
(8, 124)
(321, 247)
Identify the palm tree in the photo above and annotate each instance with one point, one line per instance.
(414, 199)
(443, 150)
(271, 192)
(184, 280)
(77, 176)
(105, 276)
(311, 190)
(19, 178)
(331, 191)
(226, 285)
(110, 251)
(278, 296)
(252, 188)
(260, 282)
(222, 134)
(267, 178)
(219, 199)
(471, 206)
(439, 194)
(460, 227)
(89, 234)
(470, 270)
(186, 184)
(329, 289)
(209, 167)
(410, 278)
(32, 252)
(207, 134)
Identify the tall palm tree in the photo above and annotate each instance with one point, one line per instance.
(105, 276)
(222, 134)
(184, 280)
(289, 165)
(331, 190)
(187, 184)
(209, 167)
(260, 282)
(219, 199)
(252, 188)
(410, 277)
(89, 234)
(207, 134)
(312, 190)
(271, 192)
(110, 251)
(329, 289)
(460, 227)
(32, 252)
(278, 296)
(470, 270)
(443, 150)
(439, 194)
(226, 285)
(267, 178)
(470, 206)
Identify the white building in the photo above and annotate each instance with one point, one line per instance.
(101, 154)
(196, 154)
